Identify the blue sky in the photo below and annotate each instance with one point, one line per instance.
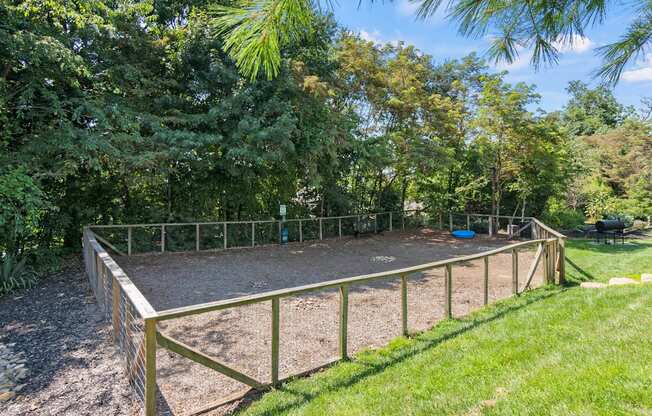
(394, 21)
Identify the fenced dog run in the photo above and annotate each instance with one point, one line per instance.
(194, 324)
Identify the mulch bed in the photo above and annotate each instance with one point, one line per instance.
(72, 368)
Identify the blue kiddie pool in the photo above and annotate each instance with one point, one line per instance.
(463, 234)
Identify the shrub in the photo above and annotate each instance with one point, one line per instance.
(15, 274)
(558, 216)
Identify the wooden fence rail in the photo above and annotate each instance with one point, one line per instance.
(101, 268)
(245, 232)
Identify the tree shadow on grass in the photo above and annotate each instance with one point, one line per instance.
(372, 363)
(618, 248)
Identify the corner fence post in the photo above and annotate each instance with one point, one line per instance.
(150, 367)
(344, 321)
(485, 285)
(276, 330)
(515, 272)
(448, 287)
(404, 305)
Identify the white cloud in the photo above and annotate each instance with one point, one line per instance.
(575, 44)
(638, 75)
(641, 73)
(376, 37)
(373, 36)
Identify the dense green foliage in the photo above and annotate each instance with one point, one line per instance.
(118, 112)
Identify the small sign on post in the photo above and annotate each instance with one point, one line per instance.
(284, 237)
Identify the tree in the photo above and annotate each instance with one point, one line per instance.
(589, 111)
(256, 30)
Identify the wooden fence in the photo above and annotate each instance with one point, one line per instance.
(138, 335)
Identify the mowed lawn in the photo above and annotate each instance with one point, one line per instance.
(600, 262)
(553, 351)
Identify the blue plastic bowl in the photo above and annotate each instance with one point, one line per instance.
(463, 234)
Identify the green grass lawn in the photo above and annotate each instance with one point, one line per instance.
(600, 262)
(553, 351)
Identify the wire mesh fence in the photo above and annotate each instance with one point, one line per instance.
(123, 311)
(184, 237)
(281, 335)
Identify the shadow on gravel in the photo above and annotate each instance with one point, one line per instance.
(55, 325)
(423, 342)
(73, 369)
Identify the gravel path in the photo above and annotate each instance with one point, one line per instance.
(70, 366)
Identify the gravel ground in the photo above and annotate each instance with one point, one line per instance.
(70, 366)
(56, 350)
(240, 337)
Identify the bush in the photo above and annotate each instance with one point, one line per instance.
(15, 274)
(560, 217)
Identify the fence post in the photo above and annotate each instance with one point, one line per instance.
(115, 308)
(339, 226)
(491, 226)
(224, 232)
(276, 312)
(300, 233)
(390, 221)
(150, 366)
(546, 263)
(450, 221)
(448, 283)
(344, 321)
(468, 222)
(129, 241)
(562, 261)
(404, 305)
(485, 285)
(515, 272)
(196, 237)
(403, 220)
(376, 224)
(320, 230)
(253, 234)
(162, 238)
(98, 283)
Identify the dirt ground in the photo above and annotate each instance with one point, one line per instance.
(72, 367)
(240, 337)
